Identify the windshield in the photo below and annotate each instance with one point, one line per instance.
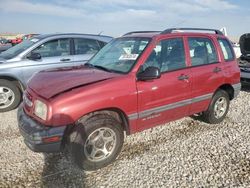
(119, 55)
(15, 50)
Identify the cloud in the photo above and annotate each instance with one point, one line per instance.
(119, 16)
(83, 8)
(21, 6)
(216, 4)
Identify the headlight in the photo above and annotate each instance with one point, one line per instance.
(41, 110)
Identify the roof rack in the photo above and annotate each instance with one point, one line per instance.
(141, 32)
(170, 30)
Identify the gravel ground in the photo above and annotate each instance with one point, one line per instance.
(184, 153)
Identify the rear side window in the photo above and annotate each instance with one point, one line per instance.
(202, 51)
(53, 48)
(86, 46)
(226, 49)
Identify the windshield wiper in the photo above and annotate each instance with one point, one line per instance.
(88, 64)
(102, 68)
(98, 67)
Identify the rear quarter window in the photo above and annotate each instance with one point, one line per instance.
(226, 49)
(101, 44)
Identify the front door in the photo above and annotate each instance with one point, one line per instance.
(54, 54)
(167, 98)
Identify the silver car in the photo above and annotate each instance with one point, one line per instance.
(19, 63)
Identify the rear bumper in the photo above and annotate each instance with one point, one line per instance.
(35, 134)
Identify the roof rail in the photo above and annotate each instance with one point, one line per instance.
(141, 32)
(170, 30)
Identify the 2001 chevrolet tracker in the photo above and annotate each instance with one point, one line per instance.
(135, 82)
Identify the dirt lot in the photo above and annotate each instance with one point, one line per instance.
(185, 153)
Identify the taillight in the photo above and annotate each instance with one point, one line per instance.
(27, 98)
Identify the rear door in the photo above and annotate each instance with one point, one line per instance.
(167, 98)
(231, 67)
(206, 70)
(84, 49)
(54, 54)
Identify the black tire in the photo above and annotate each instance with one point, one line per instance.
(17, 94)
(209, 115)
(196, 116)
(80, 134)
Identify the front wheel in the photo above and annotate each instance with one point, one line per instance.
(10, 96)
(217, 109)
(96, 142)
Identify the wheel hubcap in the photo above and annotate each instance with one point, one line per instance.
(100, 144)
(7, 97)
(220, 107)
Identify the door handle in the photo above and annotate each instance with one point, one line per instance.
(64, 59)
(217, 69)
(183, 77)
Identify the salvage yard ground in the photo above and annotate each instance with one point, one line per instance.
(184, 153)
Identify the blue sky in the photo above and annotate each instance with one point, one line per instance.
(115, 17)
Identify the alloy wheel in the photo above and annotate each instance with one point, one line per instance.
(7, 97)
(100, 144)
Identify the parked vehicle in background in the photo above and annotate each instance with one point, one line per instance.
(3, 41)
(18, 40)
(29, 36)
(135, 82)
(20, 62)
(244, 61)
(15, 41)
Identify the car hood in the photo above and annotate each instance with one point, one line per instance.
(245, 44)
(52, 82)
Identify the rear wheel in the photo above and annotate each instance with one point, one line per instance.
(218, 108)
(10, 96)
(96, 142)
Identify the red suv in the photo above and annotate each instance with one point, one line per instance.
(135, 82)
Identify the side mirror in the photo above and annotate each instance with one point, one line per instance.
(34, 56)
(149, 73)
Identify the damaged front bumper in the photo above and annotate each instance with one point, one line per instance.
(38, 137)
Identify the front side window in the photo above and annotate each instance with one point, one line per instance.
(202, 51)
(53, 48)
(226, 50)
(120, 55)
(86, 46)
(168, 55)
